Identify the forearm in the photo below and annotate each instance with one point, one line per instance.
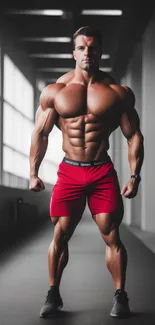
(37, 152)
(135, 153)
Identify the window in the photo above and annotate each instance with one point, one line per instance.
(18, 125)
(18, 111)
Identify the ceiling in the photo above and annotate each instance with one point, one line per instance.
(119, 33)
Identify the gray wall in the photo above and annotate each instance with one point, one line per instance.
(140, 76)
(35, 206)
(148, 125)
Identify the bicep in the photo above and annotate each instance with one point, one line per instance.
(45, 120)
(129, 122)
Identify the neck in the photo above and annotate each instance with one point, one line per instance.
(86, 77)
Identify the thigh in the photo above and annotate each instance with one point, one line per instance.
(108, 222)
(63, 205)
(64, 227)
(105, 197)
(68, 195)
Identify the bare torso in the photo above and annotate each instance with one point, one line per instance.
(87, 115)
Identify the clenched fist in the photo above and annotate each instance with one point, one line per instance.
(36, 184)
(130, 189)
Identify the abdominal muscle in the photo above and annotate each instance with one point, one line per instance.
(84, 138)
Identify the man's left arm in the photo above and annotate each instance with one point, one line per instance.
(130, 126)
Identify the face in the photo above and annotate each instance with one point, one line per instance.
(87, 52)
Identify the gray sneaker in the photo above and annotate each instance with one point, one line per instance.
(52, 304)
(120, 307)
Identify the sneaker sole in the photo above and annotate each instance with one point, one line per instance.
(121, 315)
(53, 314)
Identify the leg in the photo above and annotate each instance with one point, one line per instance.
(66, 208)
(116, 260)
(106, 206)
(68, 200)
(58, 250)
(57, 258)
(63, 260)
(116, 255)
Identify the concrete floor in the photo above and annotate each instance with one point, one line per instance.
(147, 237)
(86, 289)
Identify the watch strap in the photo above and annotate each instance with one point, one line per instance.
(137, 177)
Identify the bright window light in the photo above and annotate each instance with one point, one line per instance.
(102, 12)
(52, 56)
(48, 172)
(47, 39)
(106, 69)
(18, 126)
(15, 163)
(17, 89)
(105, 56)
(36, 12)
(55, 69)
(60, 56)
(40, 84)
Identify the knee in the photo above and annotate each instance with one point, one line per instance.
(114, 245)
(113, 241)
(104, 222)
(60, 238)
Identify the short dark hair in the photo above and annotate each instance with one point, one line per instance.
(87, 31)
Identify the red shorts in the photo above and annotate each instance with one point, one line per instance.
(98, 184)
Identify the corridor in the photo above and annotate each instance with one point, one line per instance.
(86, 287)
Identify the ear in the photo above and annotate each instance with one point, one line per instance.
(74, 55)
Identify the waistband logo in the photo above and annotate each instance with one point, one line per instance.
(72, 162)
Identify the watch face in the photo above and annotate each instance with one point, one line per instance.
(137, 177)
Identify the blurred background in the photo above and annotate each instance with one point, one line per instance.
(35, 50)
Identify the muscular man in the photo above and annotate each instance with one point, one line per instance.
(87, 105)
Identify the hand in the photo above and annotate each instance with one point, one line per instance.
(130, 189)
(36, 184)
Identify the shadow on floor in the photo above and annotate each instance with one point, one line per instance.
(97, 317)
(18, 236)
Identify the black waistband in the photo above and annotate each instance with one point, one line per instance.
(85, 164)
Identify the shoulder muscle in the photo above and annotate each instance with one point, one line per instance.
(129, 96)
(126, 95)
(48, 94)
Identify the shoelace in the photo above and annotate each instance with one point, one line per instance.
(122, 297)
(52, 296)
(49, 296)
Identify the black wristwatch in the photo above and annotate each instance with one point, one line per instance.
(137, 177)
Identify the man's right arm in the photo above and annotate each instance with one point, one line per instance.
(45, 119)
